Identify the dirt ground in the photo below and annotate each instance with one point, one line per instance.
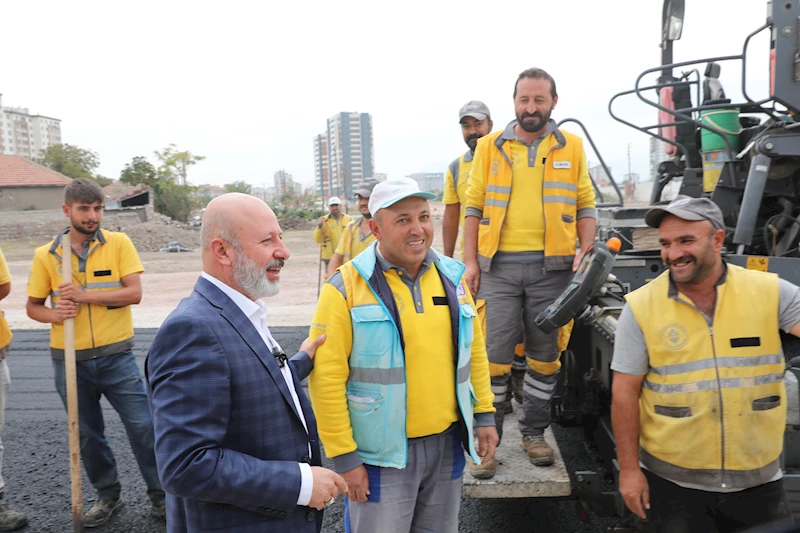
(170, 277)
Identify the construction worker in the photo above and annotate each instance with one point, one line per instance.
(698, 398)
(10, 519)
(476, 122)
(357, 235)
(105, 284)
(402, 376)
(329, 230)
(529, 200)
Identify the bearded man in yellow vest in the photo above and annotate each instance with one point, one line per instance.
(529, 201)
(698, 399)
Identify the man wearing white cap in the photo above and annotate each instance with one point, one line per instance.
(401, 386)
(329, 229)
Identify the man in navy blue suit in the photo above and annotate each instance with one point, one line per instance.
(235, 437)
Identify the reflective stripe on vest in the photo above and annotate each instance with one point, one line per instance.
(559, 198)
(713, 404)
(376, 386)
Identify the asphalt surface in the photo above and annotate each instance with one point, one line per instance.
(36, 463)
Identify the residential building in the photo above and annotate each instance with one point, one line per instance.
(208, 191)
(26, 135)
(26, 185)
(657, 156)
(348, 144)
(429, 181)
(599, 175)
(321, 178)
(284, 184)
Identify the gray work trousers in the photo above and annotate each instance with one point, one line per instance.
(423, 497)
(515, 294)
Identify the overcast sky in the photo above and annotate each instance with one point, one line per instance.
(249, 84)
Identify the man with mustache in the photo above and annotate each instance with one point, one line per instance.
(698, 399)
(105, 284)
(236, 439)
(529, 200)
(402, 377)
(476, 122)
(357, 235)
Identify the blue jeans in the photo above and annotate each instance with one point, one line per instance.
(119, 379)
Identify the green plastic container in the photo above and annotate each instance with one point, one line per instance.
(726, 120)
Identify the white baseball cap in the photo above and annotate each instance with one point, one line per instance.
(334, 201)
(389, 192)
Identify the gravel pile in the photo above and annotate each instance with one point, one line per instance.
(159, 230)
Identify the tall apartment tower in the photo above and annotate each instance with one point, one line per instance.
(348, 144)
(322, 182)
(24, 134)
(284, 184)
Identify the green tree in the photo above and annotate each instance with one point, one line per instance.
(175, 200)
(73, 162)
(139, 170)
(169, 198)
(238, 186)
(175, 163)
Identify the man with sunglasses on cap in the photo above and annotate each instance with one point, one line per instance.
(356, 236)
(698, 399)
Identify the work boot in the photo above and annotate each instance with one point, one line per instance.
(159, 510)
(539, 452)
(10, 520)
(517, 377)
(101, 512)
(485, 470)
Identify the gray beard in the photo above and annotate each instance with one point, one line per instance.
(252, 278)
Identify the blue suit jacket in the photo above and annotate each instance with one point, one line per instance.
(228, 436)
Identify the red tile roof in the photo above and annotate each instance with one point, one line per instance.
(16, 171)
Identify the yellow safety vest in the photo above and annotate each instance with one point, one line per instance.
(713, 404)
(559, 197)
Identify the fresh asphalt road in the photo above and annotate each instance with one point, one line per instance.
(36, 467)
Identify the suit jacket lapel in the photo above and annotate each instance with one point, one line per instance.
(231, 312)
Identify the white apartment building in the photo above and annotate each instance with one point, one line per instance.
(24, 134)
(348, 144)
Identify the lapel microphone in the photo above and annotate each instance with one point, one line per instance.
(279, 356)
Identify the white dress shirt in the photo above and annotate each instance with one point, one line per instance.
(256, 312)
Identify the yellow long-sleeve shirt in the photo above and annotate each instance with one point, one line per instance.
(430, 373)
(523, 227)
(329, 234)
